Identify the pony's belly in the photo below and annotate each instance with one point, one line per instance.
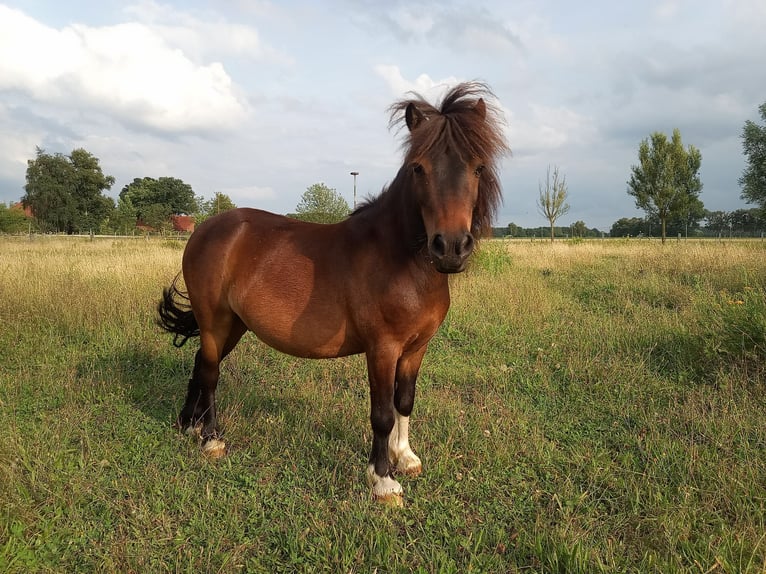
(308, 339)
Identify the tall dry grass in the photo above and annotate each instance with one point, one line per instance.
(586, 407)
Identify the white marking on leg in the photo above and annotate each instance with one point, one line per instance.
(384, 488)
(214, 448)
(399, 450)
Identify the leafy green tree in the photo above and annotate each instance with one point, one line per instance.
(155, 200)
(125, 216)
(219, 203)
(157, 216)
(628, 227)
(516, 231)
(65, 193)
(746, 222)
(753, 180)
(551, 203)
(741, 222)
(666, 182)
(718, 222)
(321, 204)
(579, 229)
(685, 221)
(13, 219)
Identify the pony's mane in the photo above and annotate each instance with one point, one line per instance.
(454, 124)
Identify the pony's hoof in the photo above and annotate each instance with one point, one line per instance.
(392, 500)
(214, 448)
(409, 464)
(385, 489)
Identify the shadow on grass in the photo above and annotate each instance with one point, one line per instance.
(681, 356)
(699, 358)
(155, 383)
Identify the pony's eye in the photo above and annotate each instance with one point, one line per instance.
(418, 169)
(478, 170)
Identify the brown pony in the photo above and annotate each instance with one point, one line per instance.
(375, 283)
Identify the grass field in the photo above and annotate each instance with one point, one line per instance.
(586, 407)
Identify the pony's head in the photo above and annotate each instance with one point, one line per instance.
(451, 159)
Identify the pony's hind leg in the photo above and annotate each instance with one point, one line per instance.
(399, 451)
(193, 410)
(200, 405)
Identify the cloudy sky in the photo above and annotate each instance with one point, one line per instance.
(261, 99)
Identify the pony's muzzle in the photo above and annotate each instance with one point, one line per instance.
(450, 253)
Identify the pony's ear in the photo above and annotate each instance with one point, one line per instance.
(413, 116)
(481, 108)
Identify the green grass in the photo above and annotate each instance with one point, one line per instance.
(586, 407)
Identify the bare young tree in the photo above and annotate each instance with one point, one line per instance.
(553, 196)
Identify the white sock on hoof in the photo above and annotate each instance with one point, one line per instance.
(214, 448)
(409, 463)
(384, 488)
(399, 451)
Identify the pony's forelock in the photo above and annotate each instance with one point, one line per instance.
(471, 133)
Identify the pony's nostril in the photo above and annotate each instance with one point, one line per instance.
(438, 245)
(465, 246)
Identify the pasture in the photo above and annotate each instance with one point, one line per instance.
(592, 406)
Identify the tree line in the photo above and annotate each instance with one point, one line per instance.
(66, 194)
(666, 185)
(739, 223)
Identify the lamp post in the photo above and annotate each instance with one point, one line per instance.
(354, 173)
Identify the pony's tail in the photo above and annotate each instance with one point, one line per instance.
(176, 315)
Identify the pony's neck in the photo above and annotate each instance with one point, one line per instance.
(396, 213)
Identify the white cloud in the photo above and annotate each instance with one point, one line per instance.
(412, 21)
(18, 142)
(205, 35)
(251, 195)
(128, 70)
(667, 9)
(544, 129)
(423, 84)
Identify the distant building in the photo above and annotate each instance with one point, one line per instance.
(20, 206)
(182, 223)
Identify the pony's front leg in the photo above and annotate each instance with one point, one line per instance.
(381, 371)
(399, 451)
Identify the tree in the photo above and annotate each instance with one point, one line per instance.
(125, 216)
(746, 222)
(628, 226)
(718, 221)
(753, 180)
(13, 219)
(155, 200)
(579, 229)
(65, 193)
(218, 204)
(552, 200)
(321, 204)
(666, 182)
(685, 220)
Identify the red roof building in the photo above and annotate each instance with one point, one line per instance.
(20, 206)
